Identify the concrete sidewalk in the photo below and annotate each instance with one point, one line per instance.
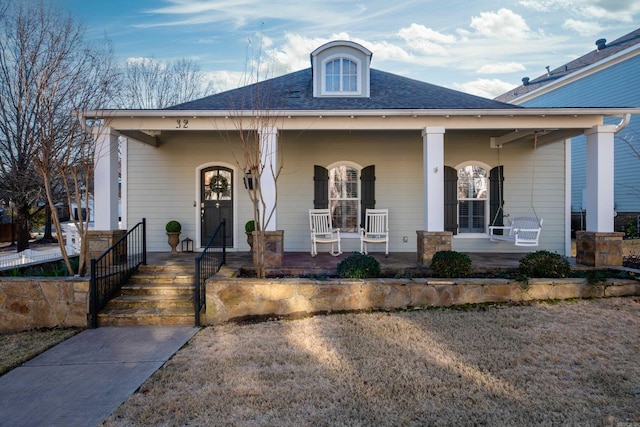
(81, 381)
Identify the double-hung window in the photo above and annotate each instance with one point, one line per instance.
(473, 183)
(344, 197)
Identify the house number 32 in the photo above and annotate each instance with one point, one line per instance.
(184, 124)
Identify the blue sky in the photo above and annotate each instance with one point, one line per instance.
(480, 47)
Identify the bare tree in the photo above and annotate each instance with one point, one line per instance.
(49, 71)
(255, 112)
(148, 83)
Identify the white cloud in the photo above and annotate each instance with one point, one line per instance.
(501, 68)
(484, 87)
(425, 40)
(503, 24)
(583, 28)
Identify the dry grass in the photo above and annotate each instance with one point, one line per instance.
(18, 347)
(573, 363)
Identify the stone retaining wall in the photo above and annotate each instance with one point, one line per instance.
(43, 302)
(236, 299)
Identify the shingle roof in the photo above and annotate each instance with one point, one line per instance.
(592, 57)
(388, 92)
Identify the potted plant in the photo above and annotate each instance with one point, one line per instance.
(249, 228)
(173, 229)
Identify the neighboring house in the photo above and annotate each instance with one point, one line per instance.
(350, 137)
(605, 77)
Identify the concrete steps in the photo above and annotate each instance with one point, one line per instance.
(154, 295)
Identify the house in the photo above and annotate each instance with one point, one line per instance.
(446, 164)
(604, 77)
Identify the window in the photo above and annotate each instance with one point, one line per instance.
(347, 191)
(472, 191)
(341, 76)
(344, 197)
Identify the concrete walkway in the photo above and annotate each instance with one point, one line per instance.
(81, 381)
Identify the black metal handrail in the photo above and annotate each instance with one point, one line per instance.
(113, 268)
(207, 264)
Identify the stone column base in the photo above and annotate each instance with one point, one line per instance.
(99, 241)
(430, 242)
(273, 248)
(595, 249)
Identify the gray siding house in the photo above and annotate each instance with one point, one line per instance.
(349, 137)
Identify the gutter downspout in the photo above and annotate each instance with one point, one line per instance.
(623, 123)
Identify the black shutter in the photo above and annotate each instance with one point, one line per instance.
(368, 188)
(450, 199)
(320, 187)
(496, 197)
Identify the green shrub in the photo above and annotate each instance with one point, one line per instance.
(173, 226)
(451, 264)
(545, 264)
(250, 226)
(359, 266)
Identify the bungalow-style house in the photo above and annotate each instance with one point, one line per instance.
(349, 137)
(604, 77)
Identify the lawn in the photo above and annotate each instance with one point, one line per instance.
(18, 347)
(567, 363)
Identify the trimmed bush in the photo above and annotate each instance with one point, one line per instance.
(545, 264)
(451, 264)
(359, 266)
(250, 226)
(173, 226)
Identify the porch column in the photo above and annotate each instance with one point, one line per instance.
(599, 245)
(105, 181)
(269, 152)
(599, 196)
(433, 178)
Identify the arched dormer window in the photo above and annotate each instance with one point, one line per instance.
(341, 68)
(341, 76)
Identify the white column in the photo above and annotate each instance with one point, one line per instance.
(269, 153)
(433, 177)
(599, 195)
(567, 196)
(105, 181)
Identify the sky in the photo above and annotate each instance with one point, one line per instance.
(480, 47)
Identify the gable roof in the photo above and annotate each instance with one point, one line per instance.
(603, 51)
(294, 91)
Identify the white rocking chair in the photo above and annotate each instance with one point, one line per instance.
(523, 231)
(376, 229)
(322, 231)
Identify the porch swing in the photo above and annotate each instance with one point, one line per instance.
(524, 230)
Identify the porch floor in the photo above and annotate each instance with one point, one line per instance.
(301, 263)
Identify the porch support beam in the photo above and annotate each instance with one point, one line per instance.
(105, 181)
(433, 177)
(269, 156)
(599, 196)
(141, 136)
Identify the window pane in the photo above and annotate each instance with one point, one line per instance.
(472, 196)
(333, 76)
(217, 185)
(345, 215)
(349, 76)
(472, 182)
(344, 200)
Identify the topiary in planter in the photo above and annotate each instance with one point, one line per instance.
(173, 226)
(359, 266)
(451, 264)
(545, 264)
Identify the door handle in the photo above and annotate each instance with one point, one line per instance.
(217, 205)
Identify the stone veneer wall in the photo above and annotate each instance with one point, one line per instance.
(599, 249)
(235, 299)
(43, 302)
(430, 242)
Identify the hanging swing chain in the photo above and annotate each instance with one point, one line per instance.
(533, 175)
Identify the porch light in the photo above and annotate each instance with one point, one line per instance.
(248, 180)
(187, 245)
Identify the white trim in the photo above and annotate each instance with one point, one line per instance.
(124, 176)
(198, 193)
(567, 197)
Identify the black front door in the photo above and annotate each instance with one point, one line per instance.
(216, 195)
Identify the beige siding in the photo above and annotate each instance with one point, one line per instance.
(166, 183)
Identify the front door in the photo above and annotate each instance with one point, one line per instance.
(216, 196)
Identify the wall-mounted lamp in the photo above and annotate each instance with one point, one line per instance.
(248, 180)
(435, 170)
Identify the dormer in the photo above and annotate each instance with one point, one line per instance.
(341, 69)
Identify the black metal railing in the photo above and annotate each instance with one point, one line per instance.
(209, 263)
(113, 268)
